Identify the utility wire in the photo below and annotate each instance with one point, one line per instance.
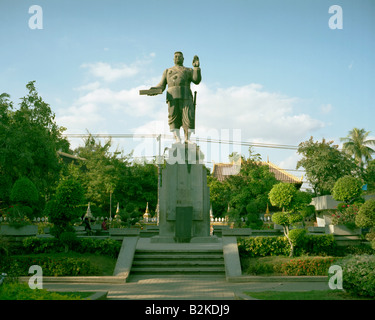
(170, 137)
(164, 136)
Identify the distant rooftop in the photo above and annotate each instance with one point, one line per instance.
(222, 171)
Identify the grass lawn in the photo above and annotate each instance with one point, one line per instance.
(304, 295)
(21, 291)
(105, 264)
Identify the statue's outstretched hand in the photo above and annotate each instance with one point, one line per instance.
(195, 61)
(153, 94)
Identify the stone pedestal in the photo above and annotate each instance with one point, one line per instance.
(184, 200)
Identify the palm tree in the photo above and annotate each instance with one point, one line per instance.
(355, 144)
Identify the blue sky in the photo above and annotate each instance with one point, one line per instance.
(272, 70)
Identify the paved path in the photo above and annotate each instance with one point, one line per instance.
(185, 288)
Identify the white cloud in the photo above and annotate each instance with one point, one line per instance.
(260, 115)
(88, 87)
(108, 73)
(326, 108)
(111, 73)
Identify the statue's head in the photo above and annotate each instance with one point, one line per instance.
(178, 58)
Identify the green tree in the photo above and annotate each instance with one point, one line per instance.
(324, 164)
(292, 202)
(29, 141)
(25, 194)
(347, 189)
(99, 173)
(219, 195)
(246, 193)
(357, 145)
(369, 176)
(366, 219)
(106, 173)
(138, 185)
(66, 207)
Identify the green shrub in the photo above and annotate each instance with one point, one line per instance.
(323, 245)
(306, 266)
(263, 246)
(19, 266)
(366, 215)
(109, 247)
(65, 208)
(24, 192)
(40, 245)
(320, 245)
(21, 291)
(297, 236)
(282, 195)
(359, 275)
(347, 189)
(315, 266)
(281, 218)
(69, 240)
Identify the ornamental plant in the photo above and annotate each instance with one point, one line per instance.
(366, 219)
(347, 189)
(346, 215)
(292, 201)
(64, 210)
(24, 196)
(358, 275)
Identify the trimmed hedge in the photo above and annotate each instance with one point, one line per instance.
(108, 247)
(263, 246)
(19, 266)
(306, 266)
(323, 245)
(315, 266)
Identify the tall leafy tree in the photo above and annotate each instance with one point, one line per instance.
(357, 145)
(29, 141)
(110, 176)
(324, 164)
(246, 192)
(99, 173)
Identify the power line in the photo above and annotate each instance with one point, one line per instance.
(170, 137)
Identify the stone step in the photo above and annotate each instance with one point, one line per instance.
(187, 251)
(144, 256)
(180, 270)
(178, 263)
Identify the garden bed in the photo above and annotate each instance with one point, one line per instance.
(286, 266)
(60, 264)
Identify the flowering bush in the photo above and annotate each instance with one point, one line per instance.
(316, 266)
(306, 266)
(345, 215)
(359, 275)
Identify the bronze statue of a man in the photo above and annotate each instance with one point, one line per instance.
(181, 108)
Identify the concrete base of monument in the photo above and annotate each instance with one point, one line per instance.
(167, 239)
